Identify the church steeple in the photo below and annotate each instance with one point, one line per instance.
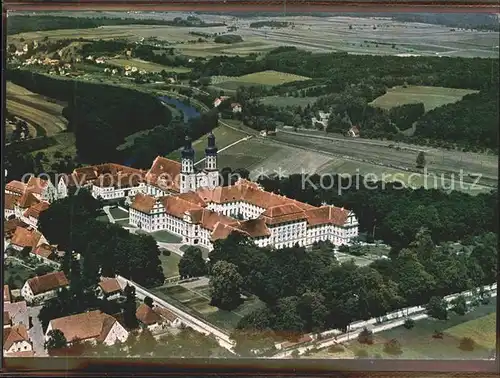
(187, 151)
(211, 147)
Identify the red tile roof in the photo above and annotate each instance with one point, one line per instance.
(110, 285)
(165, 174)
(165, 313)
(146, 315)
(28, 199)
(327, 215)
(47, 282)
(25, 238)
(36, 185)
(10, 200)
(14, 334)
(16, 187)
(83, 326)
(44, 250)
(10, 226)
(143, 203)
(35, 210)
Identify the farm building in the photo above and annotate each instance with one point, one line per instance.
(93, 326)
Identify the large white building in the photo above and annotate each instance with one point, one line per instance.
(201, 211)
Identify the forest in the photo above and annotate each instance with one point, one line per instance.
(392, 213)
(347, 84)
(310, 291)
(100, 115)
(71, 224)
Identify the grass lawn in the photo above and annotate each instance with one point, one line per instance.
(118, 213)
(419, 343)
(145, 65)
(263, 78)
(103, 218)
(431, 97)
(166, 237)
(19, 272)
(481, 330)
(170, 264)
(282, 101)
(44, 114)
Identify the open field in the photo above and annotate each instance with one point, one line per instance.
(431, 97)
(258, 78)
(319, 34)
(418, 343)
(224, 136)
(145, 65)
(481, 330)
(170, 264)
(282, 101)
(371, 155)
(65, 145)
(43, 113)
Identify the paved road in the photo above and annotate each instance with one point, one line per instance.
(36, 332)
(110, 217)
(415, 313)
(173, 247)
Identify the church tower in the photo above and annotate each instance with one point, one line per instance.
(188, 176)
(211, 162)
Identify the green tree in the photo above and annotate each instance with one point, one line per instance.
(129, 308)
(437, 308)
(148, 301)
(225, 286)
(90, 270)
(459, 305)
(421, 160)
(56, 340)
(192, 263)
(250, 343)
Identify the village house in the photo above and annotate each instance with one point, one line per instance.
(219, 100)
(149, 318)
(18, 312)
(353, 132)
(171, 319)
(236, 107)
(110, 288)
(40, 288)
(45, 253)
(16, 339)
(93, 326)
(26, 238)
(323, 119)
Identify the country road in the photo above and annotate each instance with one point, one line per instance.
(335, 337)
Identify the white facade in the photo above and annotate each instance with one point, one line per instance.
(19, 346)
(31, 298)
(282, 235)
(117, 332)
(112, 192)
